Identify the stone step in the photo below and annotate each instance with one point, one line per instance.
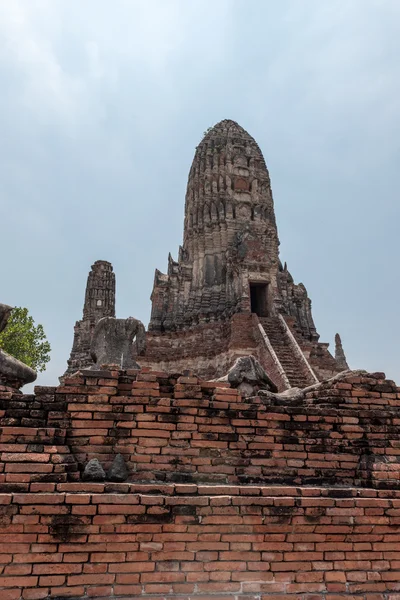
(291, 363)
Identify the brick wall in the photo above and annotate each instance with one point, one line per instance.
(33, 446)
(205, 542)
(209, 348)
(182, 429)
(266, 498)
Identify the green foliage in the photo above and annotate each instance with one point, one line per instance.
(25, 341)
(205, 133)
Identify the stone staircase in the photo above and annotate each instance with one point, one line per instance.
(295, 369)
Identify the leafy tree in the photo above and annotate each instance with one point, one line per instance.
(25, 341)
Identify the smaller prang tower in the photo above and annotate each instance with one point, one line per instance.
(99, 303)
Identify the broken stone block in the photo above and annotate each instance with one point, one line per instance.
(248, 376)
(118, 470)
(93, 471)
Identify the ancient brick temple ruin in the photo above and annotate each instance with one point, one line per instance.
(224, 454)
(228, 294)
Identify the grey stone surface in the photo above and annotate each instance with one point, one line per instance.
(5, 312)
(118, 470)
(13, 372)
(339, 354)
(113, 342)
(93, 471)
(248, 376)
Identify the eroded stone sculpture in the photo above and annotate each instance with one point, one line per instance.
(248, 376)
(93, 471)
(13, 372)
(118, 471)
(114, 342)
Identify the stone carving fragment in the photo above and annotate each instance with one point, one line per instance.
(93, 471)
(118, 470)
(113, 342)
(248, 376)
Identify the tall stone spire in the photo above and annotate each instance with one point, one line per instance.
(99, 303)
(229, 233)
(228, 186)
(228, 281)
(340, 356)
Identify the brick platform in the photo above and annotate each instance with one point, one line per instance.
(203, 542)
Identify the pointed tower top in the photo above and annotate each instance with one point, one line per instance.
(228, 178)
(339, 354)
(100, 292)
(227, 125)
(224, 137)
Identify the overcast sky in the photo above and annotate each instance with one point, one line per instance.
(102, 104)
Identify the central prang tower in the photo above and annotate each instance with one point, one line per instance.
(230, 236)
(228, 294)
